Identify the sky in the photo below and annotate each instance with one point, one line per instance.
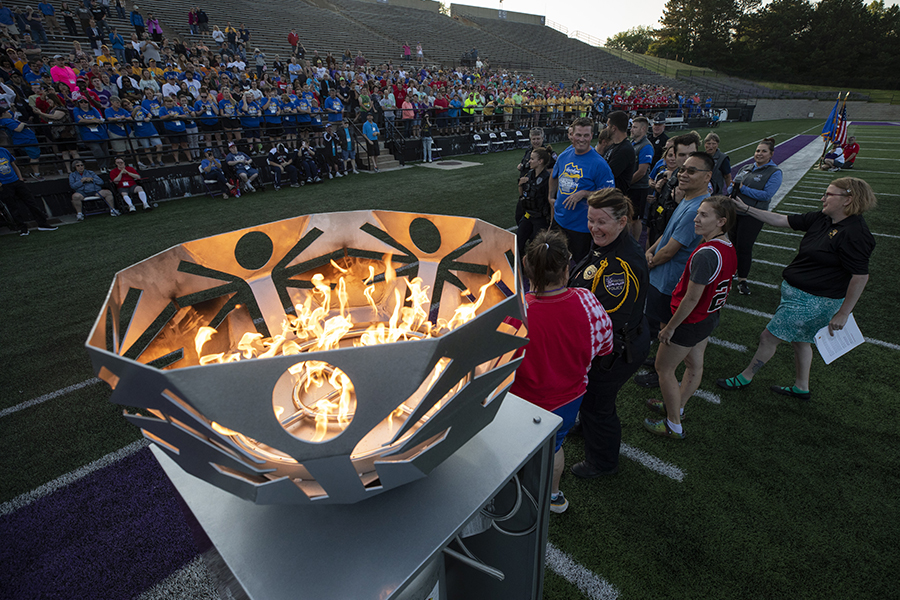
(598, 19)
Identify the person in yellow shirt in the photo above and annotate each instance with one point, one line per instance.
(508, 106)
(154, 69)
(537, 107)
(105, 57)
(488, 111)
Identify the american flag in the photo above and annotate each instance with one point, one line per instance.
(840, 132)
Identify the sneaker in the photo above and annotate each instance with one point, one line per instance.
(23, 233)
(132, 208)
(250, 187)
(743, 288)
(559, 504)
(834, 169)
(659, 407)
(142, 165)
(339, 174)
(355, 172)
(318, 180)
(295, 185)
(79, 217)
(310, 179)
(733, 383)
(114, 213)
(147, 206)
(277, 187)
(649, 380)
(376, 170)
(660, 427)
(47, 228)
(160, 164)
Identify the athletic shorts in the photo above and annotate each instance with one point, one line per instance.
(568, 412)
(118, 142)
(33, 152)
(147, 142)
(689, 335)
(230, 124)
(209, 128)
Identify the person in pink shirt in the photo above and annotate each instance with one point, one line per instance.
(61, 72)
(567, 328)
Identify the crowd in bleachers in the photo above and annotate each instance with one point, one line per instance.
(152, 100)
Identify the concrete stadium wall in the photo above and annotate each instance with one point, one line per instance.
(769, 110)
(429, 5)
(490, 13)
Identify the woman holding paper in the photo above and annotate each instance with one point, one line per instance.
(822, 284)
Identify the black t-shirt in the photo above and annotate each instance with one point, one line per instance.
(621, 160)
(830, 253)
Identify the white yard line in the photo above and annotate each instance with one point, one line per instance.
(768, 262)
(708, 396)
(651, 462)
(776, 247)
(70, 477)
(726, 344)
(771, 286)
(23, 405)
(591, 585)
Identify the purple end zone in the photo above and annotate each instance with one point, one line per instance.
(110, 535)
(783, 151)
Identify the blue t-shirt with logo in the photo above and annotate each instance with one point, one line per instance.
(334, 104)
(576, 173)
(118, 128)
(271, 111)
(25, 137)
(250, 116)
(173, 125)
(143, 128)
(152, 106)
(303, 104)
(7, 172)
(227, 108)
(90, 132)
(205, 109)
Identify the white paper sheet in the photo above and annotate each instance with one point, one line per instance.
(839, 344)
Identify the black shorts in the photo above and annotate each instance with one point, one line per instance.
(659, 306)
(689, 335)
(639, 202)
(274, 129)
(372, 148)
(209, 128)
(229, 123)
(290, 127)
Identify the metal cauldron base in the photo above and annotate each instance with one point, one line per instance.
(378, 548)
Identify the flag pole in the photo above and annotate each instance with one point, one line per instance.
(825, 149)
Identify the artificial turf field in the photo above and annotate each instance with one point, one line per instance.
(777, 498)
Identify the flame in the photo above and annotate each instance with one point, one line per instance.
(324, 395)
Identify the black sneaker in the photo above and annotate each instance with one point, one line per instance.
(649, 380)
(743, 288)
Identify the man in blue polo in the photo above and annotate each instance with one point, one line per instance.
(579, 170)
(15, 195)
(333, 107)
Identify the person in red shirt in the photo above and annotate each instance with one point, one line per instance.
(125, 179)
(567, 328)
(851, 149)
(293, 40)
(698, 296)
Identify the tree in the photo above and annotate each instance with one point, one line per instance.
(636, 39)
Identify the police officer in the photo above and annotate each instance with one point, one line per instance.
(616, 271)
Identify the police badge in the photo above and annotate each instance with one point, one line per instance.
(614, 284)
(590, 272)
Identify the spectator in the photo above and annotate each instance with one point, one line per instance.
(534, 191)
(699, 295)
(553, 373)
(259, 59)
(126, 180)
(85, 184)
(289, 107)
(243, 166)
(120, 9)
(228, 110)
(721, 176)
(371, 131)
(34, 19)
(68, 18)
(60, 130)
(118, 45)
(420, 55)
(851, 150)
(218, 35)
(192, 21)
(61, 72)
(174, 125)
(406, 52)
(281, 164)
(202, 21)
(578, 171)
(347, 137)
(834, 160)
(93, 132)
(755, 184)
(331, 151)
(408, 115)
(15, 195)
(147, 82)
(207, 112)
(668, 256)
(119, 126)
(821, 285)
(250, 115)
(640, 181)
(83, 12)
(211, 167)
(8, 23)
(271, 110)
(427, 140)
(293, 39)
(31, 48)
(137, 21)
(149, 50)
(658, 137)
(154, 28)
(146, 135)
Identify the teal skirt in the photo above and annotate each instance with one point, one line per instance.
(801, 315)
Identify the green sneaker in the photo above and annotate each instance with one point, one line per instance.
(660, 427)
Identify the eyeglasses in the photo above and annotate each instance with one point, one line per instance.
(693, 170)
